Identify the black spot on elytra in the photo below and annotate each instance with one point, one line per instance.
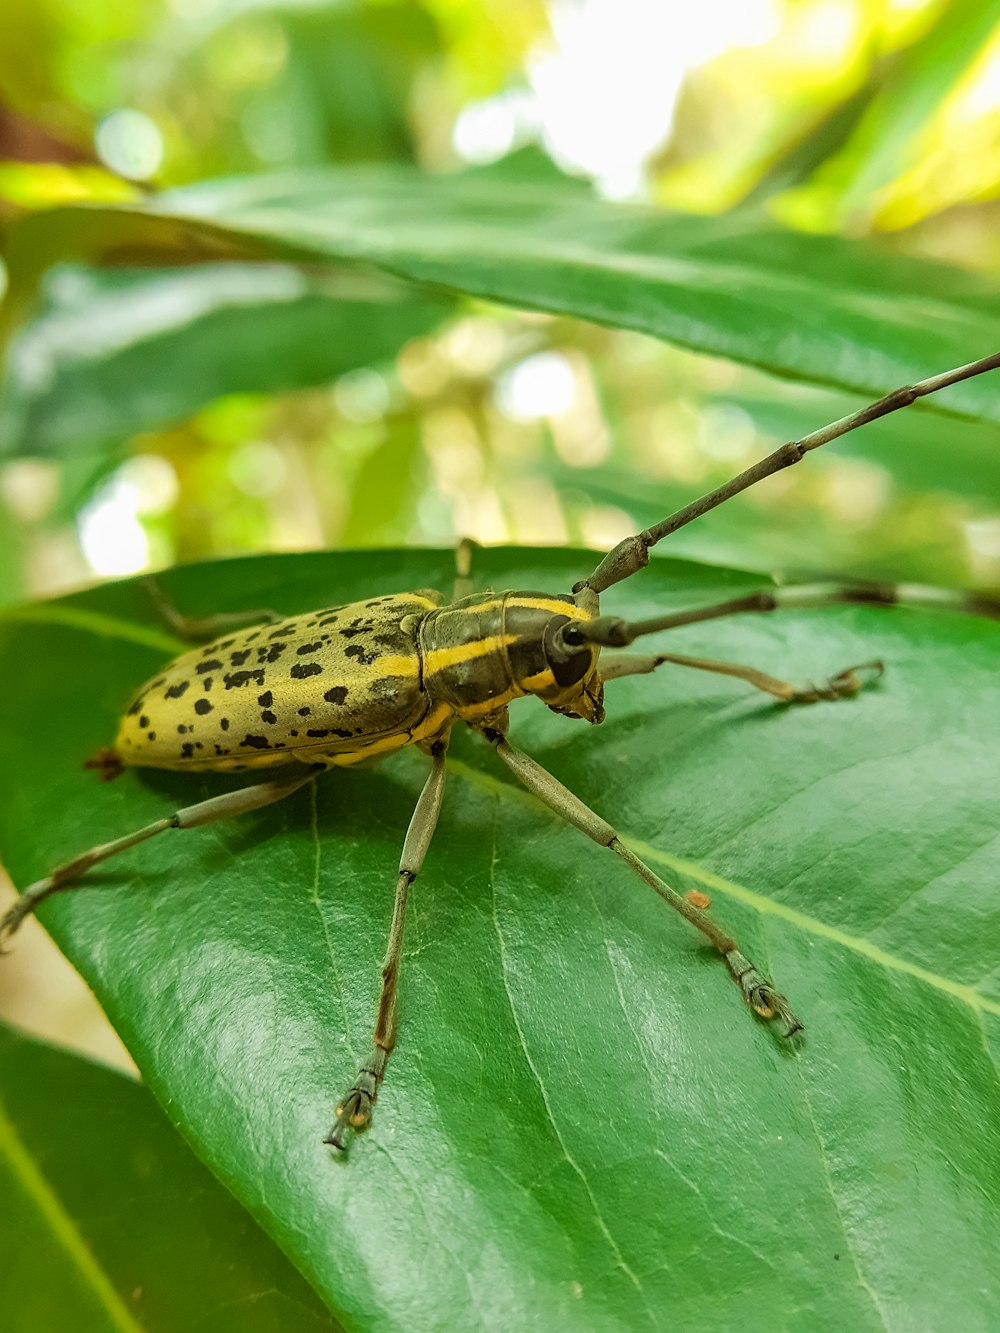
(266, 699)
(339, 731)
(187, 750)
(144, 721)
(202, 706)
(255, 743)
(330, 620)
(213, 664)
(303, 669)
(265, 654)
(307, 648)
(317, 733)
(224, 723)
(136, 705)
(176, 691)
(337, 695)
(283, 631)
(357, 650)
(151, 736)
(237, 678)
(268, 717)
(182, 730)
(293, 733)
(226, 643)
(237, 659)
(220, 750)
(304, 712)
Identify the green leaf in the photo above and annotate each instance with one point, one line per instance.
(109, 1221)
(845, 314)
(111, 354)
(348, 82)
(920, 79)
(582, 1126)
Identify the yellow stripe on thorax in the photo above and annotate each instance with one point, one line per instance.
(557, 607)
(468, 712)
(439, 659)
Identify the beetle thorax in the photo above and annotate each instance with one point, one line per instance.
(480, 653)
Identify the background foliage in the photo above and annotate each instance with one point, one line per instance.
(158, 416)
(415, 309)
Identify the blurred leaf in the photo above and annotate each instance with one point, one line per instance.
(109, 1221)
(580, 1128)
(65, 64)
(885, 143)
(30, 38)
(805, 147)
(831, 312)
(111, 354)
(349, 81)
(799, 540)
(922, 450)
(386, 487)
(42, 184)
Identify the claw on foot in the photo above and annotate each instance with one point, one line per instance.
(760, 994)
(844, 685)
(354, 1113)
(854, 678)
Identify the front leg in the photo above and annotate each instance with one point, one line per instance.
(355, 1110)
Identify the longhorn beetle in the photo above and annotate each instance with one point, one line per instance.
(336, 687)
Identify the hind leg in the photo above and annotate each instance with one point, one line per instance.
(215, 808)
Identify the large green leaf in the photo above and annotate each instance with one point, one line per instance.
(833, 312)
(109, 1222)
(582, 1126)
(111, 354)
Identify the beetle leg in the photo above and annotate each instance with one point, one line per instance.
(844, 685)
(759, 993)
(197, 628)
(463, 569)
(354, 1111)
(215, 808)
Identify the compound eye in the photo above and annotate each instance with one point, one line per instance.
(569, 665)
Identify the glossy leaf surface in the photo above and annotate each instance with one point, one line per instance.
(582, 1125)
(828, 311)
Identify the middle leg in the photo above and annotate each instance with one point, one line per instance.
(759, 993)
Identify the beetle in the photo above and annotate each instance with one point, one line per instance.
(347, 684)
